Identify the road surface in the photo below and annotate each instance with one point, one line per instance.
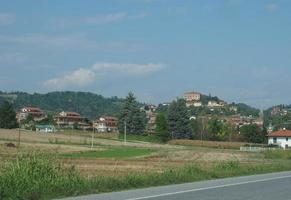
(258, 187)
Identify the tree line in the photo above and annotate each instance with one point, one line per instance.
(175, 123)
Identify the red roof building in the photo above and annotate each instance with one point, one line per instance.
(68, 119)
(280, 133)
(281, 138)
(35, 112)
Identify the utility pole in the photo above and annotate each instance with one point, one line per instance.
(202, 130)
(124, 133)
(19, 133)
(92, 138)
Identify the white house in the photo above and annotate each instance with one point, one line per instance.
(215, 104)
(194, 103)
(281, 138)
(45, 128)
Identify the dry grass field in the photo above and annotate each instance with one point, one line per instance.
(156, 157)
(49, 166)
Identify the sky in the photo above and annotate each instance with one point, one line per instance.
(238, 50)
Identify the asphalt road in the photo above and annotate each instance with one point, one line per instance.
(258, 187)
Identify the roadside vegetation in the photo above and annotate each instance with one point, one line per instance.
(42, 176)
(278, 154)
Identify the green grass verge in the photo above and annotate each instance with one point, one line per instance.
(143, 138)
(124, 152)
(278, 154)
(39, 176)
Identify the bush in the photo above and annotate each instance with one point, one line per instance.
(36, 176)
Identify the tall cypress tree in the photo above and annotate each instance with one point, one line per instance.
(131, 114)
(7, 116)
(162, 127)
(178, 120)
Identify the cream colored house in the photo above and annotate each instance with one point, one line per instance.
(192, 96)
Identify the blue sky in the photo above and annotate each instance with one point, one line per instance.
(239, 50)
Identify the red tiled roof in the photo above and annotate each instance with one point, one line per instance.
(280, 133)
(72, 113)
(70, 117)
(110, 118)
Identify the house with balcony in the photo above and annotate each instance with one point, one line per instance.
(106, 124)
(71, 119)
(36, 113)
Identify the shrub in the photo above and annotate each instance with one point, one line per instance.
(35, 176)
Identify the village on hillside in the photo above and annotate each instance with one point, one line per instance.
(210, 118)
(73, 120)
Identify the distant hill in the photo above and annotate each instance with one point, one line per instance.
(247, 110)
(227, 110)
(242, 108)
(93, 105)
(278, 116)
(87, 104)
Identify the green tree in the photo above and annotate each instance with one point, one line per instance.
(252, 133)
(162, 130)
(28, 123)
(214, 128)
(7, 116)
(178, 120)
(218, 129)
(197, 128)
(28, 120)
(49, 120)
(132, 115)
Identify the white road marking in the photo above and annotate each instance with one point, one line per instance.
(207, 188)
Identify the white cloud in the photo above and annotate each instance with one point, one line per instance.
(86, 76)
(129, 68)
(79, 78)
(6, 19)
(272, 7)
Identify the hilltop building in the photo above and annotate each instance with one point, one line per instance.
(192, 96)
(193, 99)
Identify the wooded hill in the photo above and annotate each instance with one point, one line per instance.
(93, 105)
(87, 104)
